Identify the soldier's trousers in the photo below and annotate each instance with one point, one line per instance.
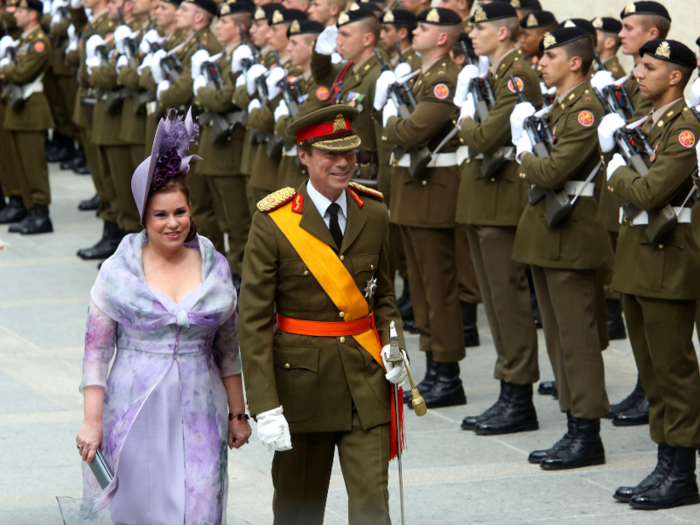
(97, 163)
(203, 208)
(432, 275)
(567, 300)
(116, 171)
(661, 333)
(506, 295)
(469, 291)
(301, 476)
(32, 169)
(8, 167)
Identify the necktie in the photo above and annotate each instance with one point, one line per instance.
(337, 234)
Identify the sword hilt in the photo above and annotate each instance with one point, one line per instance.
(395, 354)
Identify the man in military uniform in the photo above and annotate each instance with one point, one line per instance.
(318, 256)
(463, 8)
(525, 7)
(658, 274)
(27, 117)
(564, 250)
(491, 201)
(532, 28)
(398, 26)
(607, 30)
(326, 11)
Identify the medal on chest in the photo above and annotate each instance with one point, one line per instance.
(370, 288)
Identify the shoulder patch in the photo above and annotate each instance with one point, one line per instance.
(39, 46)
(687, 139)
(356, 197)
(322, 93)
(585, 118)
(276, 199)
(519, 83)
(441, 91)
(367, 191)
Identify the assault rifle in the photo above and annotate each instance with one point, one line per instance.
(394, 90)
(409, 94)
(475, 88)
(290, 91)
(622, 107)
(130, 47)
(171, 64)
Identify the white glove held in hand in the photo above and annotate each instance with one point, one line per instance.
(517, 119)
(240, 80)
(484, 66)
(146, 62)
(5, 61)
(606, 131)
(468, 109)
(281, 110)
(402, 69)
(253, 73)
(76, 4)
(122, 62)
(524, 145)
(390, 110)
(196, 62)
(151, 37)
(162, 86)
(241, 53)
(254, 104)
(156, 68)
(6, 42)
(120, 34)
(468, 73)
(381, 89)
(198, 83)
(325, 43)
(91, 46)
(602, 79)
(273, 80)
(617, 161)
(336, 58)
(273, 430)
(91, 63)
(695, 93)
(395, 372)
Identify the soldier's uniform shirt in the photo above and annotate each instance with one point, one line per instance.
(660, 281)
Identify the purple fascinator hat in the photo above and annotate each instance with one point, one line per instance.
(173, 137)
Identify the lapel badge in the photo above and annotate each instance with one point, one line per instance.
(370, 288)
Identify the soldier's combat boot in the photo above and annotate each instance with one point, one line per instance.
(664, 459)
(91, 204)
(447, 390)
(585, 449)
(516, 413)
(106, 246)
(616, 324)
(679, 487)
(80, 166)
(470, 422)
(548, 388)
(471, 332)
(536, 456)
(14, 211)
(630, 401)
(427, 382)
(36, 221)
(61, 149)
(635, 416)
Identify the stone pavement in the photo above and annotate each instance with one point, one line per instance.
(451, 476)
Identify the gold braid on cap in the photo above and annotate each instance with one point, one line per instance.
(664, 50)
(532, 21)
(549, 40)
(433, 16)
(480, 16)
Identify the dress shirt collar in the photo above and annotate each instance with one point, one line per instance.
(322, 202)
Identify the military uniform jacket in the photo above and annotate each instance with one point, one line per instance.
(33, 59)
(318, 380)
(412, 58)
(579, 242)
(146, 80)
(500, 199)
(431, 200)
(59, 42)
(133, 127)
(668, 270)
(9, 20)
(537, 68)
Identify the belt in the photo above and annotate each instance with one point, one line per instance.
(325, 328)
(441, 160)
(684, 215)
(581, 188)
(291, 152)
(462, 154)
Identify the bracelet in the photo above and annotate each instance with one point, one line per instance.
(239, 417)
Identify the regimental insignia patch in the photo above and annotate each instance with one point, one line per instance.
(276, 199)
(687, 139)
(39, 47)
(356, 197)
(322, 93)
(441, 91)
(585, 118)
(519, 83)
(367, 191)
(298, 203)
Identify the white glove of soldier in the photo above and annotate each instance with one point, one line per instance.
(602, 79)
(6, 42)
(146, 62)
(156, 68)
(196, 62)
(5, 61)
(381, 89)
(273, 80)
(402, 69)
(695, 93)
(240, 81)
(92, 63)
(325, 43)
(517, 119)
(468, 109)
(606, 131)
(617, 161)
(468, 73)
(241, 53)
(76, 4)
(255, 71)
(163, 85)
(281, 110)
(390, 110)
(198, 84)
(123, 61)
(336, 58)
(524, 145)
(254, 104)
(120, 35)
(151, 37)
(395, 372)
(273, 430)
(91, 46)
(484, 66)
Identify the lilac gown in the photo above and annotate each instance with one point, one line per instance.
(165, 411)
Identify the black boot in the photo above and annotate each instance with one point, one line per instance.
(679, 487)
(516, 414)
(106, 246)
(616, 324)
(80, 166)
(470, 422)
(91, 204)
(471, 332)
(36, 221)
(663, 466)
(14, 211)
(63, 148)
(536, 456)
(447, 390)
(548, 388)
(77, 158)
(585, 449)
(3, 204)
(236, 280)
(427, 382)
(635, 416)
(630, 401)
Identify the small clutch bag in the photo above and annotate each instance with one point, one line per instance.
(101, 470)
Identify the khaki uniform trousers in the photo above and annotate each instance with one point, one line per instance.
(301, 476)
(96, 163)
(203, 208)
(567, 300)
(661, 333)
(138, 154)
(9, 180)
(506, 295)
(432, 274)
(469, 291)
(32, 169)
(117, 170)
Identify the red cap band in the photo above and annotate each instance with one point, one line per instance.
(320, 130)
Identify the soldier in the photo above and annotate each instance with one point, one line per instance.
(424, 205)
(414, 6)
(491, 201)
(397, 27)
(326, 11)
(657, 274)
(525, 7)
(607, 30)
(220, 167)
(27, 117)
(532, 28)
(565, 250)
(311, 393)
(463, 8)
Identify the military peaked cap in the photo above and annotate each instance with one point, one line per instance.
(328, 129)
(645, 8)
(669, 51)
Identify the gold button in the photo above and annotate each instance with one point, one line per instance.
(371, 267)
(425, 182)
(342, 257)
(287, 365)
(660, 124)
(342, 339)
(493, 179)
(661, 246)
(461, 141)
(342, 314)
(563, 106)
(306, 272)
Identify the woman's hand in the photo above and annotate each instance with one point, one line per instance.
(238, 433)
(90, 438)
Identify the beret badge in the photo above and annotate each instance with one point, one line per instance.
(389, 17)
(531, 21)
(664, 50)
(598, 23)
(343, 19)
(549, 40)
(277, 17)
(433, 16)
(295, 27)
(480, 16)
(631, 8)
(515, 3)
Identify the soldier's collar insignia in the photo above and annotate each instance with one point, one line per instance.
(598, 23)
(631, 8)
(531, 21)
(389, 17)
(295, 27)
(343, 19)
(433, 16)
(339, 123)
(276, 199)
(356, 198)
(664, 50)
(277, 17)
(298, 203)
(549, 40)
(480, 16)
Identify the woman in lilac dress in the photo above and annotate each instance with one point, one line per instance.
(173, 400)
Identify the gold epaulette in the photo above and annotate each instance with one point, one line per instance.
(367, 191)
(276, 199)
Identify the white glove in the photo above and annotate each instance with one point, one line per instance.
(122, 62)
(325, 43)
(76, 4)
(484, 66)
(468, 109)
(336, 58)
(606, 131)
(120, 34)
(524, 145)
(543, 88)
(240, 81)
(617, 161)
(198, 83)
(6, 42)
(156, 68)
(602, 79)
(254, 104)
(91, 45)
(72, 34)
(241, 53)
(151, 37)
(468, 73)
(163, 85)
(196, 62)
(146, 62)
(253, 73)
(395, 372)
(273, 80)
(697, 152)
(56, 5)
(402, 69)
(381, 89)
(517, 119)
(91, 63)
(390, 110)
(695, 93)
(5, 61)
(281, 110)
(273, 430)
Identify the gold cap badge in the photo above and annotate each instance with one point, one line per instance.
(343, 19)
(598, 23)
(515, 3)
(664, 50)
(259, 14)
(225, 9)
(631, 8)
(569, 23)
(277, 17)
(549, 40)
(295, 27)
(531, 21)
(433, 16)
(339, 124)
(354, 7)
(480, 15)
(389, 17)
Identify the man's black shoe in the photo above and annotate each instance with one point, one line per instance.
(106, 246)
(636, 416)
(536, 456)
(80, 166)
(470, 422)
(447, 390)
(630, 401)
(585, 449)
(471, 332)
(679, 487)
(516, 413)
(616, 324)
(664, 459)
(91, 204)
(36, 221)
(548, 388)
(427, 382)
(13, 212)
